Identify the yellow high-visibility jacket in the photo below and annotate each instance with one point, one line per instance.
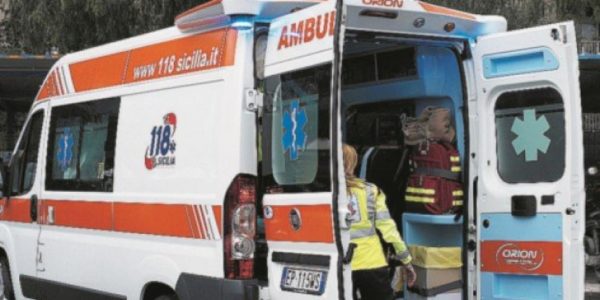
(368, 213)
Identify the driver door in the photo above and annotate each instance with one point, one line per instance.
(301, 208)
(19, 212)
(528, 158)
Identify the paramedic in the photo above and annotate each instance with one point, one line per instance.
(370, 273)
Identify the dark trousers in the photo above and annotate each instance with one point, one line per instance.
(372, 284)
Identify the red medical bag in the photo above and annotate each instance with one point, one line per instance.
(434, 185)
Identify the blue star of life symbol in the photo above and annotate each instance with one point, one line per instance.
(65, 149)
(294, 137)
(530, 135)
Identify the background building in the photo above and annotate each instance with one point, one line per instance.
(20, 77)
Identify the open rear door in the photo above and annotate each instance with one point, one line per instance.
(300, 161)
(527, 154)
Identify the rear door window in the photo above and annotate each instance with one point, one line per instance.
(530, 135)
(296, 129)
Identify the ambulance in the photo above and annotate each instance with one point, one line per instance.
(203, 161)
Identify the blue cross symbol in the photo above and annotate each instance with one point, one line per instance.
(65, 149)
(294, 137)
(531, 136)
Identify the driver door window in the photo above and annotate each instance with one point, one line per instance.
(24, 163)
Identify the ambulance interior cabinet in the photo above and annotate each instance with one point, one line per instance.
(433, 231)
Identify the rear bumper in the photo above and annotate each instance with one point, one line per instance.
(197, 287)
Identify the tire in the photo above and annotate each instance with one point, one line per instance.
(6, 287)
(166, 297)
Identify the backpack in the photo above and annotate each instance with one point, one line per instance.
(434, 124)
(434, 186)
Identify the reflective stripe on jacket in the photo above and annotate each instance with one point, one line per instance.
(368, 214)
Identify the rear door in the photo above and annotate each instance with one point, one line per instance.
(528, 157)
(298, 163)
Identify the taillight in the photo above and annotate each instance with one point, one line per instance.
(244, 223)
(240, 228)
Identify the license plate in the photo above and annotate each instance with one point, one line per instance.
(303, 281)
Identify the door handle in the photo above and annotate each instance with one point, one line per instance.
(33, 209)
(40, 262)
(524, 205)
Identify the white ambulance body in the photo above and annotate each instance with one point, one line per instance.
(204, 161)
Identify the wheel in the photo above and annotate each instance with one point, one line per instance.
(6, 287)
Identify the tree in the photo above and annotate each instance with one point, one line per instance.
(526, 13)
(71, 25)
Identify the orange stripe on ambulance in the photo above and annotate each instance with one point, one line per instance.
(168, 65)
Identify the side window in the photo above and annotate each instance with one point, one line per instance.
(388, 65)
(359, 69)
(82, 146)
(396, 64)
(530, 135)
(296, 129)
(24, 163)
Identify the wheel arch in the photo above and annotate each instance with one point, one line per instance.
(154, 289)
(7, 252)
(157, 272)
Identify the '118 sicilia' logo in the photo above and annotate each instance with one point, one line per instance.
(161, 152)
